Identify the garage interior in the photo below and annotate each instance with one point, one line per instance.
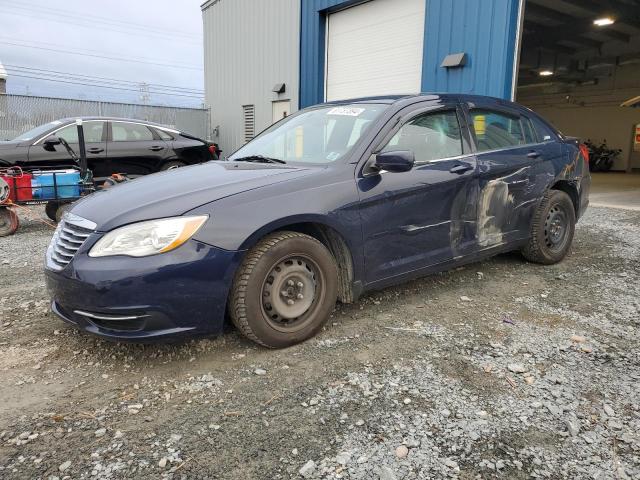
(579, 63)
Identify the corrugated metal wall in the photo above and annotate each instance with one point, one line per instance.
(249, 47)
(484, 29)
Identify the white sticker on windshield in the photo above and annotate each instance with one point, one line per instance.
(348, 111)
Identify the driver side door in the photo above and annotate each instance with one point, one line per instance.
(95, 143)
(426, 216)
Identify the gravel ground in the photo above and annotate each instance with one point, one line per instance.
(498, 369)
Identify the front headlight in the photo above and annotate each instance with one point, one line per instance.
(148, 238)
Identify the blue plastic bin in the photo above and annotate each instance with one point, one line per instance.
(67, 184)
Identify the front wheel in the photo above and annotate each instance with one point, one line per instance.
(285, 290)
(552, 229)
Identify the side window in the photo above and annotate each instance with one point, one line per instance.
(495, 130)
(70, 133)
(130, 132)
(430, 136)
(529, 132)
(163, 135)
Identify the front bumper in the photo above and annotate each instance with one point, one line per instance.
(176, 294)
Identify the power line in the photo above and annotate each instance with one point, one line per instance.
(76, 76)
(104, 86)
(38, 8)
(92, 24)
(119, 59)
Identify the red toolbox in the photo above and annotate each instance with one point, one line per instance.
(19, 184)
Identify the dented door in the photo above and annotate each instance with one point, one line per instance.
(506, 177)
(425, 216)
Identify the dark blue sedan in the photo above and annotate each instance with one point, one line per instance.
(327, 204)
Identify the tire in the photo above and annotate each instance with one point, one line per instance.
(552, 229)
(171, 165)
(9, 222)
(61, 210)
(50, 210)
(284, 290)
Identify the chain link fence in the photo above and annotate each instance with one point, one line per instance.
(19, 113)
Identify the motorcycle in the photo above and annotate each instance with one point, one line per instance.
(601, 157)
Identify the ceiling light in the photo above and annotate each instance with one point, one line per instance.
(545, 73)
(604, 21)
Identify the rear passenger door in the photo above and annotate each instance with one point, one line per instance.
(507, 164)
(135, 149)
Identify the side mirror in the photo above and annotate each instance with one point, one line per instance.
(50, 143)
(396, 162)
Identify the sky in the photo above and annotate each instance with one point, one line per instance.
(128, 44)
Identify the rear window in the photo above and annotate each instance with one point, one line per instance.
(163, 135)
(496, 130)
(529, 132)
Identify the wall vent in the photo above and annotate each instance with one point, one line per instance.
(249, 115)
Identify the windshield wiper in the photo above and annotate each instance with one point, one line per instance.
(258, 159)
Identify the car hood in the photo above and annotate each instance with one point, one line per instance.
(177, 191)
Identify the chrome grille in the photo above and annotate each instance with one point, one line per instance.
(71, 233)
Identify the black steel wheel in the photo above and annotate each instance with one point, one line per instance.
(552, 229)
(50, 209)
(9, 222)
(285, 290)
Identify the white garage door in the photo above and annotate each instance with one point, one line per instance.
(375, 49)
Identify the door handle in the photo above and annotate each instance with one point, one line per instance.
(95, 150)
(533, 154)
(461, 168)
(156, 148)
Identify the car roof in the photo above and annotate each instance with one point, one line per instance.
(116, 119)
(390, 99)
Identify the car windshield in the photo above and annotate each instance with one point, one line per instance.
(37, 131)
(320, 135)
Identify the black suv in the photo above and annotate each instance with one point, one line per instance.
(114, 145)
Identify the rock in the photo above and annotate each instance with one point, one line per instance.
(578, 339)
(451, 464)
(609, 410)
(387, 474)
(573, 426)
(101, 432)
(260, 371)
(307, 469)
(343, 458)
(64, 466)
(402, 451)
(516, 368)
(294, 452)
(464, 298)
(118, 434)
(163, 462)
(586, 348)
(407, 401)
(445, 413)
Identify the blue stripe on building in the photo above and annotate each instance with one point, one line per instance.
(486, 30)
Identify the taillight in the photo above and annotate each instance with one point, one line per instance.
(213, 150)
(585, 152)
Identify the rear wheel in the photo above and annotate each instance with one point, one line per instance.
(50, 209)
(9, 222)
(172, 164)
(285, 290)
(552, 229)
